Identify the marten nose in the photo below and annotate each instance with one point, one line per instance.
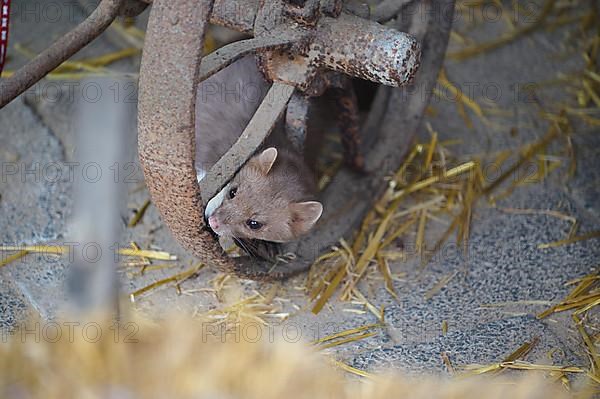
(213, 222)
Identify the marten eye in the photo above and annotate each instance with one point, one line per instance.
(253, 224)
(232, 192)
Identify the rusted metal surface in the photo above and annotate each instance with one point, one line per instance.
(296, 121)
(277, 40)
(168, 76)
(344, 43)
(294, 70)
(351, 45)
(269, 14)
(305, 12)
(366, 50)
(60, 51)
(348, 121)
(332, 8)
(238, 15)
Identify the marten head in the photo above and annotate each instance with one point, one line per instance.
(267, 200)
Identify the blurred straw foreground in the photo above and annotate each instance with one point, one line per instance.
(181, 359)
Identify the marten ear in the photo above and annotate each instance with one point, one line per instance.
(305, 215)
(266, 159)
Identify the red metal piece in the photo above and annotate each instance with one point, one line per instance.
(4, 24)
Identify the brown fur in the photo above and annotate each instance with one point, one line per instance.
(276, 193)
(272, 191)
(225, 103)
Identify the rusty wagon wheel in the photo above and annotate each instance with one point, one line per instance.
(298, 42)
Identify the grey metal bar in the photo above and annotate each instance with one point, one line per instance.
(59, 51)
